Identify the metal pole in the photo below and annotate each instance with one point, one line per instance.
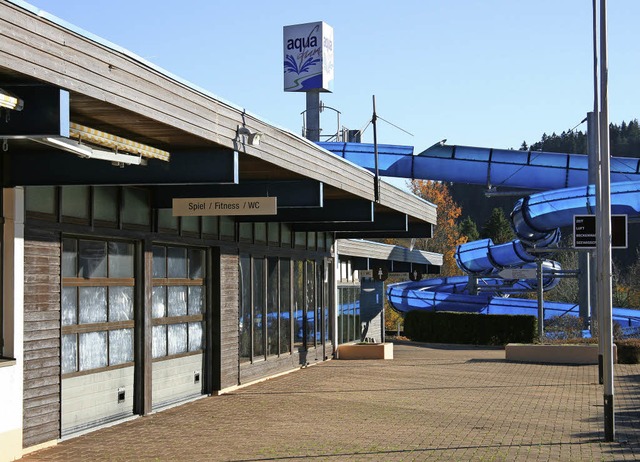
(313, 116)
(584, 293)
(595, 180)
(540, 300)
(605, 270)
(376, 179)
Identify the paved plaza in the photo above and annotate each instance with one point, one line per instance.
(432, 402)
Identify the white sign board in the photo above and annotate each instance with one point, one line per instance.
(518, 273)
(200, 206)
(308, 57)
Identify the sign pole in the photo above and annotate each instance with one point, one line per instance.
(604, 246)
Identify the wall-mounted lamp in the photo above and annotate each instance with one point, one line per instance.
(9, 101)
(253, 138)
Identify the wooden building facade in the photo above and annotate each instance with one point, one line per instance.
(111, 306)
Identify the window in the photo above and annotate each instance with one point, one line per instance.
(264, 319)
(97, 304)
(178, 300)
(298, 303)
(348, 313)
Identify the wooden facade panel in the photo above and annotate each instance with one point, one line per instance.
(41, 345)
(229, 304)
(41, 418)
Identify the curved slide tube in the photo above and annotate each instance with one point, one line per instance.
(536, 219)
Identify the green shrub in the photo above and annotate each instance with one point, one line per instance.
(469, 328)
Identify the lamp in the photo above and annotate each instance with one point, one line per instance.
(91, 135)
(87, 152)
(9, 101)
(253, 138)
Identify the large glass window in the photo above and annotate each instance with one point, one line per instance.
(272, 306)
(178, 303)
(298, 303)
(97, 304)
(244, 318)
(285, 305)
(310, 304)
(258, 292)
(349, 328)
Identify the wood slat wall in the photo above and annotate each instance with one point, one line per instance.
(41, 337)
(229, 302)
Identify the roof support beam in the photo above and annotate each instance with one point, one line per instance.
(338, 211)
(414, 230)
(36, 167)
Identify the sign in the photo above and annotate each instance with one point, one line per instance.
(415, 275)
(199, 207)
(380, 273)
(584, 231)
(371, 300)
(308, 57)
(518, 273)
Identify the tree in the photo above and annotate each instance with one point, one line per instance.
(469, 229)
(446, 236)
(497, 228)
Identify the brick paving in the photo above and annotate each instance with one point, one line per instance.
(432, 402)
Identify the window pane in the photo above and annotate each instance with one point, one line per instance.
(195, 336)
(244, 319)
(191, 224)
(285, 305)
(135, 209)
(258, 307)
(75, 201)
(92, 259)
(285, 235)
(69, 353)
(227, 227)
(298, 300)
(120, 346)
(159, 347)
(210, 226)
(272, 306)
(159, 303)
(176, 262)
(41, 199)
(166, 220)
(300, 239)
(273, 231)
(246, 232)
(196, 264)
(321, 241)
(260, 230)
(311, 240)
(69, 258)
(69, 306)
(159, 262)
(196, 299)
(177, 338)
(105, 203)
(310, 304)
(93, 305)
(120, 303)
(176, 301)
(93, 350)
(120, 260)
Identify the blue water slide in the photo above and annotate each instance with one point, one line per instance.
(536, 219)
(495, 167)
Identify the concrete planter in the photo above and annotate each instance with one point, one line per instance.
(554, 354)
(366, 351)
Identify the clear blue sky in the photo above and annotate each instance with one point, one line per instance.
(486, 73)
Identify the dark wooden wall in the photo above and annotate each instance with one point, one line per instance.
(41, 337)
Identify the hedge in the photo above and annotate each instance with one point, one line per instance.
(469, 328)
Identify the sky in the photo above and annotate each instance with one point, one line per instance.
(490, 73)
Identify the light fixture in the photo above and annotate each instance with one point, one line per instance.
(93, 136)
(9, 101)
(88, 152)
(253, 138)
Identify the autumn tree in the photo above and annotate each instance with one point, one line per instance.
(446, 235)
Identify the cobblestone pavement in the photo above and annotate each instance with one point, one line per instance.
(432, 402)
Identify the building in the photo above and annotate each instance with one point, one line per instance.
(111, 306)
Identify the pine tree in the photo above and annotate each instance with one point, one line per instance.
(497, 228)
(469, 229)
